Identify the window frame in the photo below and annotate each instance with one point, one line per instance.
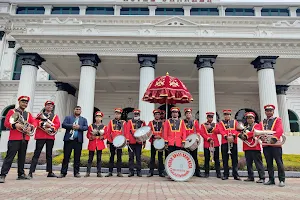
(165, 10)
(271, 10)
(139, 10)
(105, 9)
(244, 11)
(62, 9)
(28, 8)
(199, 10)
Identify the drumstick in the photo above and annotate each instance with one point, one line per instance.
(130, 148)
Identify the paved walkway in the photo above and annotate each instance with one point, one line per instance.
(141, 188)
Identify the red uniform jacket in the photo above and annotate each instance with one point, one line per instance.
(15, 134)
(174, 132)
(191, 127)
(227, 128)
(115, 128)
(41, 134)
(132, 126)
(156, 128)
(212, 134)
(97, 143)
(273, 124)
(250, 138)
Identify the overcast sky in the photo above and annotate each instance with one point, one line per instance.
(260, 0)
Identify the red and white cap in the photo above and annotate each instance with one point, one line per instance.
(269, 107)
(98, 113)
(24, 98)
(227, 111)
(49, 102)
(187, 110)
(156, 111)
(210, 114)
(250, 114)
(175, 109)
(136, 111)
(119, 110)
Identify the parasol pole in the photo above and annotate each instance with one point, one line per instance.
(167, 109)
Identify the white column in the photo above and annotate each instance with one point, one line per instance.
(257, 11)
(61, 100)
(147, 74)
(117, 10)
(27, 83)
(187, 10)
(2, 44)
(222, 10)
(266, 82)
(293, 11)
(82, 10)
(207, 102)
(9, 56)
(282, 106)
(48, 9)
(152, 10)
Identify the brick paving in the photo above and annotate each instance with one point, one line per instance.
(141, 188)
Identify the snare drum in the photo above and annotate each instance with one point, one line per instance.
(159, 144)
(119, 142)
(192, 142)
(143, 134)
(180, 165)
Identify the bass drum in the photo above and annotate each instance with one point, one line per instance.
(143, 134)
(180, 166)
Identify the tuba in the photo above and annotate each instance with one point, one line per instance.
(244, 131)
(51, 131)
(18, 118)
(267, 136)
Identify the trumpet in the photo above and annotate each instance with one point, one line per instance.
(230, 141)
(51, 131)
(72, 131)
(267, 136)
(244, 131)
(212, 151)
(18, 118)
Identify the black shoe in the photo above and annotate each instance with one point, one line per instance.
(109, 174)
(260, 181)
(51, 174)
(225, 178)
(270, 182)
(119, 174)
(249, 180)
(2, 179)
(62, 176)
(139, 174)
(219, 176)
(161, 175)
(206, 175)
(198, 174)
(77, 175)
(130, 174)
(99, 174)
(237, 178)
(150, 174)
(87, 175)
(23, 177)
(30, 176)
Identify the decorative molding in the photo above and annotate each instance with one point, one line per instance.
(147, 60)
(264, 62)
(205, 61)
(286, 23)
(89, 59)
(32, 59)
(6, 75)
(281, 89)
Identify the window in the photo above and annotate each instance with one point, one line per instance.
(294, 121)
(30, 10)
(239, 12)
(18, 65)
(51, 78)
(169, 11)
(65, 11)
(204, 11)
(3, 114)
(134, 11)
(298, 12)
(274, 12)
(240, 115)
(100, 11)
(197, 117)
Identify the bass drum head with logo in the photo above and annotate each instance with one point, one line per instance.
(180, 166)
(119, 141)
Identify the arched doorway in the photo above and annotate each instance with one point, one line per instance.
(127, 114)
(95, 110)
(3, 114)
(294, 121)
(163, 107)
(217, 115)
(240, 115)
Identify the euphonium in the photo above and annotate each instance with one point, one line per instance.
(51, 130)
(266, 136)
(244, 130)
(18, 118)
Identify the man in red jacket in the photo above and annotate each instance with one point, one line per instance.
(115, 127)
(229, 134)
(252, 153)
(192, 127)
(273, 152)
(136, 147)
(18, 139)
(209, 132)
(42, 138)
(174, 131)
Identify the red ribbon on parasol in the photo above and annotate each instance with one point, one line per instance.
(167, 90)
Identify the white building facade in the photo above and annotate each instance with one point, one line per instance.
(103, 54)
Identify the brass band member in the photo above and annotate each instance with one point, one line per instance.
(174, 131)
(43, 137)
(156, 126)
(75, 125)
(96, 136)
(163, 115)
(132, 126)
(209, 132)
(192, 126)
(252, 153)
(115, 127)
(273, 152)
(18, 139)
(229, 134)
